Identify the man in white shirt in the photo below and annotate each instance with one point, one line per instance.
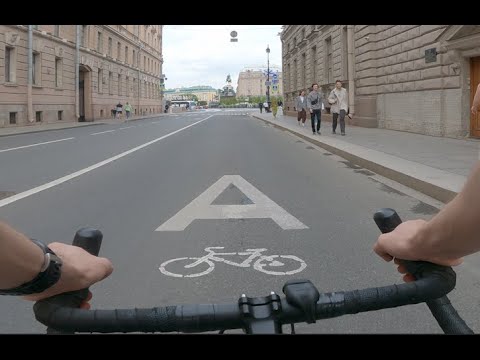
(338, 98)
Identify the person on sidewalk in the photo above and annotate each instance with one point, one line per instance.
(128, 110)
(338, 99)
(260, 105)
(119, 110)
(314, 104)
(265, 105)
(301, 106)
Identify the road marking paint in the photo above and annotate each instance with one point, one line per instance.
(200, 208)
(63, 179)
(42, 143)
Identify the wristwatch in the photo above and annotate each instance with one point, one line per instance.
(48, 276)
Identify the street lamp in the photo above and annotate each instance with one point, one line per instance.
(268, 78)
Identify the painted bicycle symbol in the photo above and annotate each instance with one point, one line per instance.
(268, 264)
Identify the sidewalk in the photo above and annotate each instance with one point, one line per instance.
(16, 130)
(435, 166)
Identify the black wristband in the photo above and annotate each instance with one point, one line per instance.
(44, 279)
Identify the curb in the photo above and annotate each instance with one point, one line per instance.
(430, 189)
(43, 130)
(76, 127)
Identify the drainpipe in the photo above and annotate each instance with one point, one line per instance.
(77, 74)
(30, 75)
(351, 80)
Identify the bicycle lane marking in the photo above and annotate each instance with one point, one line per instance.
(262, 261)
(262, 208)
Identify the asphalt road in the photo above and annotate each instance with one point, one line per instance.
(130, 181)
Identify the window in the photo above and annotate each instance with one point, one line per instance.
(127, 86)
(294, 41)
(13, 118)
(304, 70)
(314, 62)
(295, 77)
(60, 115)
(36, 69)
(56, 30)
(83, 35)
(119, 47)
(110, 46)
(100, 81)
(303, 34)
(328, 61)
(134, 87)
(126, 54)
(144, 62)
(288, 47)
(312, 28)
(58, 72)
(119, 83)
(345, 53)
(38, 116)
(101, 113)
(110, 83)
(134, 62)
(10, 64)
(99, 42)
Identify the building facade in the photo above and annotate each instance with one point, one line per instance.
(417, 78)
(251, 82)
(203, 93)
(78, 72)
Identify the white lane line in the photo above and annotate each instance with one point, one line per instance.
(127, 127)
(155, 122)
(103, 132)
(63, 179)
(43, 143)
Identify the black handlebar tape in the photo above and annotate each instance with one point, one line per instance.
(387, 220)
(443, 311)
(183, 318)
(90, 240)
(447, 317)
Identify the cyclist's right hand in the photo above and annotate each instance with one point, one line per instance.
(79, 270)
(405, 243)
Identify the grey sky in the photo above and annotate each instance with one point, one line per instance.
(203, 54)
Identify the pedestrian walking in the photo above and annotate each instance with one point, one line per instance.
(338, 100)
(128, 110)
(119, 110)
(301, 106)
(314, 105)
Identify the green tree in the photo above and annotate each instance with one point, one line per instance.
(194, 97)
(228, 100)
(274, 106)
